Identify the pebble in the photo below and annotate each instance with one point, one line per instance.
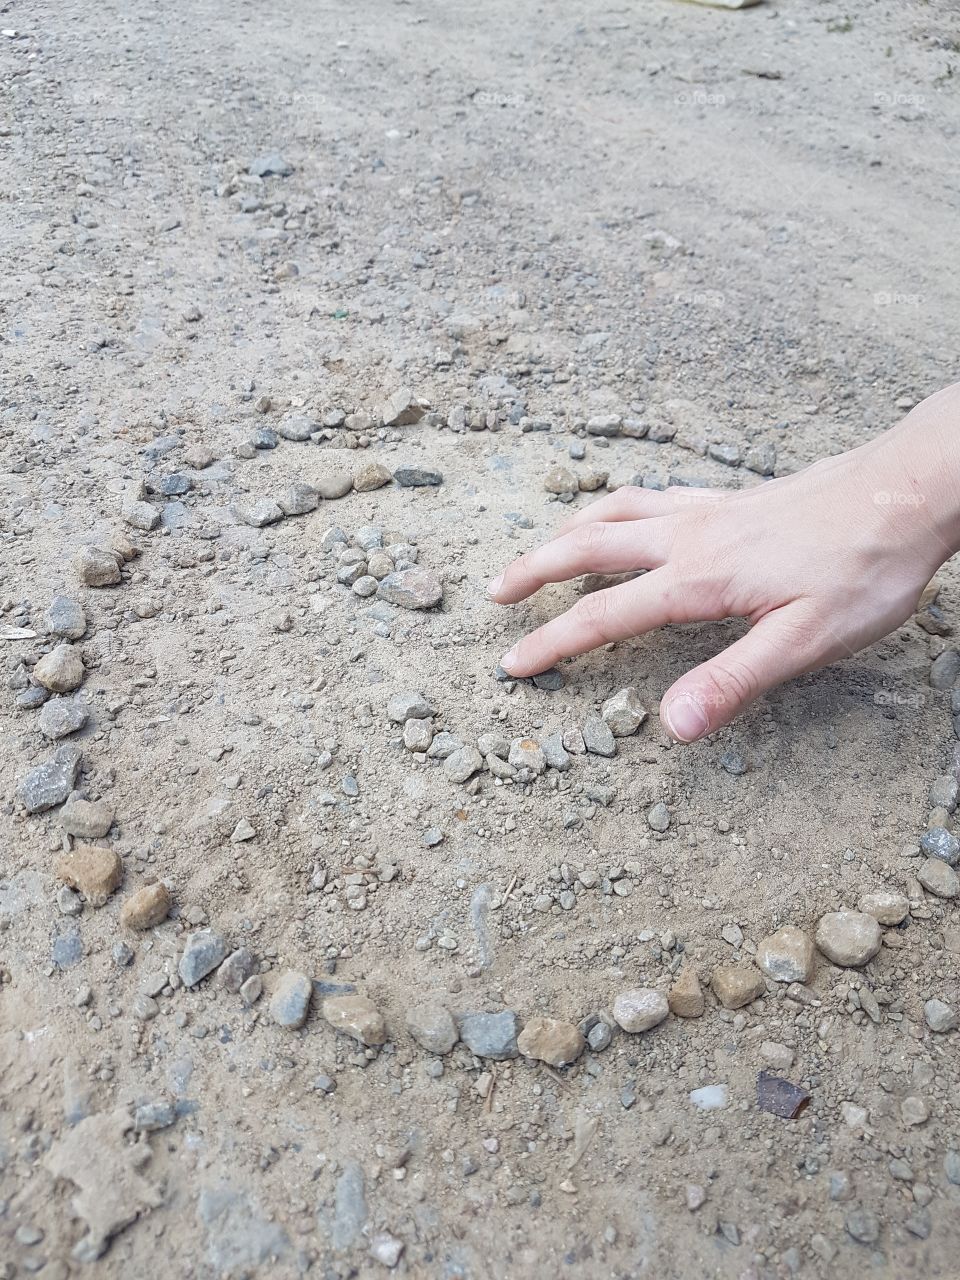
(62, 716)
(695, 1196)
(239, 966)
(490, 1035)
(86, 819)
(418, 735)
(270, 165)
(598, 1031)
(68, 902)
(560, 480)
(93, 870)
(951, 1167)
(885, 905)
(640, 1009)
(61, 670)
(939, 1016)
(945, 669)
(914, 1112)
(372, 476)
(32, 697)
(787, 955)
(198, 457)
(431, 1024)
(258, 512)
(940, 843)
(735, 985)
(410, 589)
(251, 990)
(463, 764)
(65, 618)
(290, 1002)
(658, 817)
(551, 1040)
(604, 424)
(49, 784)
(148, 1117)
(624, 713)
(762, 459)
(863, 1225)
(554, 753)
(263, 438)
(98, 567)
(204, 951)
(386, 1249)
(848, 938)
(416, 477)
(548, 681)
(685, 997)
(728, 454)
(402, 409)
(943, 793)
(409, 704)
(365, 586)
(711, 1097)
(598, 737)
(356, 1016)
(939, 878)
(526, 753)
(147, 907)
(140, 514)
(298, 500)
(776, 1055)
(297, 427)
(336, 484)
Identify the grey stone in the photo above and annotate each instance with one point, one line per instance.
(444, 745)
(526, 753)
(67, 948)
(490, 1035)
(734, 763)
(148, 1117)
(65, 618)
(598, 737)
(432, 1026)
(336, 484)
(297, 427)
(86, 819)
(402, 409)
(787, 955)
(624, 712)
(408, 704)
(939, 1016)
(204, 952)
(61, 670)
(257, 512)
(658, 817)
(728, 454)
(944, 669)
(33, 696)
(175, 485)
(290, 1003)
(863, 1225)
(554, 753)
(463, 764)
(943, 793)
(951, 1167)
(848, 938)
(271, 165)
(939, 878)
(411, 589)
(411, 477)
(350, 1208)
(607, 424)
(62, 716)
(761, 458)
(548, 681)
(264, 438)
(298, 500)
(50, 783)
(236, 969)
(640, 1009)
(938, 842)
(69, 903)
(98, 567)
(140, 515)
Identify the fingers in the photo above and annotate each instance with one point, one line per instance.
(593, 548)
(779, 647)
(633, 503)
(596, 619)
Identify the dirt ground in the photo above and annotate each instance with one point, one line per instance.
(733, 228)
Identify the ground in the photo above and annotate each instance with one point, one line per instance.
(719, 228)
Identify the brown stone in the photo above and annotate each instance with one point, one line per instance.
(737, 984)
(685, 997)
(93, 870)
(552, 1041)
(147, 907)
(356, 1016)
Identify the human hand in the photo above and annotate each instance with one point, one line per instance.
(822, 563)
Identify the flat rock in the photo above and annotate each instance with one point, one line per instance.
(98, 566)
(297, 427)
(848, 938)
(560, 480)
(624, 713)
(787, 955)
(551, 1040)
(61, 670)
(410, 589)
(490, 1035)
(945, 669)
(91, 869)
(237, 969)
(271, 165)
(598, 737)
(939, 1016)
(408, 704)
(258, 512)
(336, 484)
(462, 764)
(356, 1016)
(50, 783)
(402, 409)
(527, 753)
(204, 951)
(640, 1009)
(685, 998)
(298, 500)
(147, 907)
(735, 985)
(939, 878)
(431, 1024)
(86, 819)
(65, 617)
(411, 477)
(290, 1002)
(62, 716)
(372, 476)
(938, 842)
(885, 905)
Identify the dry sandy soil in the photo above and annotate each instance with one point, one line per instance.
(738, 226)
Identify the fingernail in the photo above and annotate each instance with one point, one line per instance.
(685, 718)
(508, 659)
(494, 585)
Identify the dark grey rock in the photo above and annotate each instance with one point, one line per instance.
(298, 500)
(598, 737)
(938, 842)
(350, 1208)
(264, 438)
(548, 681)
(67, 948)
(490, 1035)
(50, 783)
(296, 427)
(175, 485)
(761, 458)
(862, 1224)
(205, 950)
(65, 618)
(271, 165)
(33, 696)
(734, 763)
(411, 477)
(290, 1002)
(236, 969)
(728, 454)
(62, 716)
(945, 669)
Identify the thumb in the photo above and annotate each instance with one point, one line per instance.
(711, 695)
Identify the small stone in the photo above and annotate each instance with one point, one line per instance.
(940, 843)
(356, 1016)
(296, 427)
(147, 907)
(298, 500)
(365, 586)
(885, 905)
(463, 764)
(728, 454)
(951, 1167)
(386, 1249)
(409, 704)
(290, 1001)
(258, 512)
(418, 735)
(776, 1055)
(93, 870)
(432, 1026)
(604, 424)
(914, 1111)
(939, 1016)
(762, 459)
(526, 753)
(551, 1040)
(98, 567)
(938, 878)
(787, 955)
(591, 481)
(490, 1035)
(62, 716)
(236, 969)
(624, 712)
(945, 669)
(560, 480)
(204, 951)
(548, 681)
(598, 737)
(198, 457)
(417, 477)
(140, 514)
(863, 1225)
(640, 1009)
(61, 670)
(264, 438)
(686, 995)
(270, 165)
(372, 476)
(598, 1030)
(695, 1196)
(86, 819)
(251, 990)
(410, 589)
(152, 1116)
(943, 793)
(658, 817)
(65, 618)
(734, 763)
(242, 832)
(68, 902)
(735, 985)
(848, 938)
(49, 784)
(712, 1097)
(402, 409)
(554, 753)
(32, 697)
(336, 484)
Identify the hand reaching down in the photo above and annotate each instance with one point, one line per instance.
(822, 563)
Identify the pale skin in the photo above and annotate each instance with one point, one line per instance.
(821, 563)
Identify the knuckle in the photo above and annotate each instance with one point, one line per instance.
(590, 540)
(732, 680)
(595, 611)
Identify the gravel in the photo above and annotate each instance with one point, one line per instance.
(848, 938)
